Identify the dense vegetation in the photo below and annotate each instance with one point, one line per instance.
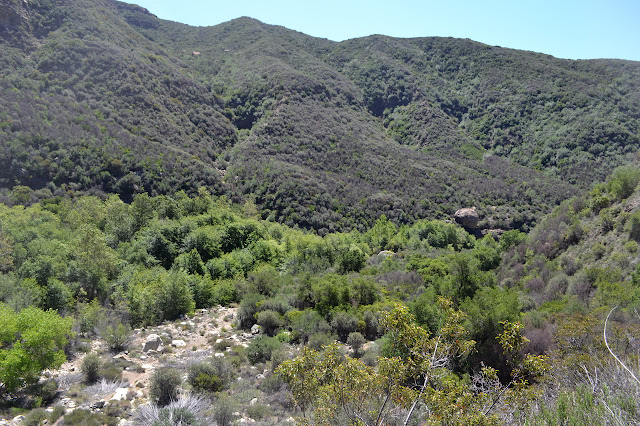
(112, 266)
(152, 169)
(103, 97)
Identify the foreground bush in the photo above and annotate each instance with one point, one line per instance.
(164, 385)
(186, 410)
(203, 378)
(31, 341)
(90, 368)
(261, 348)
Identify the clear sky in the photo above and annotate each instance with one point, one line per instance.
(573, 29)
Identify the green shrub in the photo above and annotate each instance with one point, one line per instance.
(202, 376)
(259, 411)
(207, 383)
(118, 409)
(164, 385)
(90, 368)
(89, 315)
(344, 323)
(30, 341)
(318, 340)
(631, 246)
(238, 356)
(264, 279)
(57, 296)
(372, 328)
(248, 309)
(370, 357)
(82, 417)
(633, 225)
(261, 348)
(110, 371)
(44, 392)
(352, 260)
(270, 321)
(35, 417)
(172, 416)
(356, 341)
(117, 336)
(223, 411)
(624, 181)
(176, 298)
(58, 411)
(190, 263)
(271, 384)
(224, 293)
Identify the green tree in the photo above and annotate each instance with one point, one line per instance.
(624, 181)
(6, 252)
(352, 260)
(96, 262)
(380, 236)
(30, 341)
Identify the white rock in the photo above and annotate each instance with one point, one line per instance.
(218, 354)
(178, 343)
(120, 394)
(254, 401)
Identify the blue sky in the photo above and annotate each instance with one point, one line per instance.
(571, 29)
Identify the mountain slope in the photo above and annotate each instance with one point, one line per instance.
(92, 104)
(106, 97)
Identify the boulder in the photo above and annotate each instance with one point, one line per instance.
(178, 343)
(467, 218)
(255, 329)
(121, 394)
(153, 343)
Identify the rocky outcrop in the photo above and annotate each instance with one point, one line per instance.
(13, 13)
(467, 218)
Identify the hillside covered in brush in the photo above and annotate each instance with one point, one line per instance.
(103, 97)
(321, 329)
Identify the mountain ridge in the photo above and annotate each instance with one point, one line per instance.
(410, 128)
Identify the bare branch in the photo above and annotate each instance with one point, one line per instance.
(610, 351)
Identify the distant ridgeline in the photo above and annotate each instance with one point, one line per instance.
(102, 97)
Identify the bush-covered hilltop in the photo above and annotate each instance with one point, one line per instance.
(103, 97)
(444, 327)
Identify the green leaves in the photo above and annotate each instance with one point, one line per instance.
(30, 341)
(333, 389)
